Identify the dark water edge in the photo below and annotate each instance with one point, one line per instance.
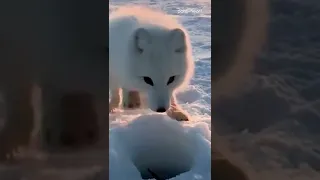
(285, 93)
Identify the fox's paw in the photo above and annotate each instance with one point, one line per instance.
(178, 114)
(115, 100)
(131, 100)
(113, 107)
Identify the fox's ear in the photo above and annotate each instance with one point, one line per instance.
(142, 39)
(177, 37)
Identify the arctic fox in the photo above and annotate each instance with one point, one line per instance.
(149, 52)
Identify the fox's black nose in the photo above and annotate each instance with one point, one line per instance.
(161, 110)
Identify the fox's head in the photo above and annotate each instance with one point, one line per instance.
(161, 63)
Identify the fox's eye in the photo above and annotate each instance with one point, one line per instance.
(171, 79)
(148, 80)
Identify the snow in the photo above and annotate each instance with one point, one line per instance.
(141, 139)
(161, 144)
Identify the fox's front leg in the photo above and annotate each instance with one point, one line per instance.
(131, 99)
(19, 123)
(115, 99)
(176, 112)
